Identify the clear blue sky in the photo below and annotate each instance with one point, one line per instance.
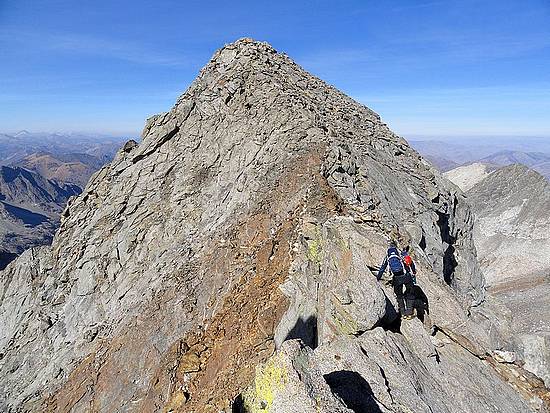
(428, 67)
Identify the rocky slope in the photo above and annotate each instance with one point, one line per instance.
(511, 235)
(512, 226)
(30, 206)
(76, 168)
(467, 176)
(253, 212)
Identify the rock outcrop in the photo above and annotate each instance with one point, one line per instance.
(253, 213)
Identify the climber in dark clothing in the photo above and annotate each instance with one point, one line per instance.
(401, 278)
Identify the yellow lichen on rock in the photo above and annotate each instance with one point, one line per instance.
(270, 379)
(345, 323)
(314, 251)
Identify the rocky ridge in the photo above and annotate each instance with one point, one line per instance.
(467, 176)
(512, 224)
(251, 214)
(511, 235)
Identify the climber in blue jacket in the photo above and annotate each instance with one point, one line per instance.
(401, 277)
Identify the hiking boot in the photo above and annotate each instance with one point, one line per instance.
(411, 315)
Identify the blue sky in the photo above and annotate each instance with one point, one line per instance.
(427, 67)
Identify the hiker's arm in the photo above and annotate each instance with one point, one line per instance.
(382, 269)
(413, 268)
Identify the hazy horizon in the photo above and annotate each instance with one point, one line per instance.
(409, 136)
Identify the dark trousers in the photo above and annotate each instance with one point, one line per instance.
(405, 299)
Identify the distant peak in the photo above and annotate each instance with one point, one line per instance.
(22, 133)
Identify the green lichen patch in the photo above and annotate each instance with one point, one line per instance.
(345, 323)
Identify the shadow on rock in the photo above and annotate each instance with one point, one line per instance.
(305, 331)
(354, 391)
(421, 303)
(238, 405)
(29, 218)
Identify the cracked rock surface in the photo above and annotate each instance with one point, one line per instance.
(252, 213)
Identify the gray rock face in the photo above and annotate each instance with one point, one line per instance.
(410, 371)
(511, 235)
(252, 212)
(512, 228)
(406, 372)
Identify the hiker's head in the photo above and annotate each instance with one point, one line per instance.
(392, 244)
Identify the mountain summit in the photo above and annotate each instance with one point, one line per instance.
(194, 269)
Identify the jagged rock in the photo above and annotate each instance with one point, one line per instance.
(390, 372)
(290, 382)
(190, 243)
(350, 299)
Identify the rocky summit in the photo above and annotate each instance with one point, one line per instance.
(226, 264)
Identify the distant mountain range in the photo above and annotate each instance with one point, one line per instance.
(72, 167)
(38, 174)
(30, 206)
(14, 147)
(500, 151)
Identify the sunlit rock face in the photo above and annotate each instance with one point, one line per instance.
(511, 234)
(195, 268)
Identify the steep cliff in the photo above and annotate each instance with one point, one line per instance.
(251, 213)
